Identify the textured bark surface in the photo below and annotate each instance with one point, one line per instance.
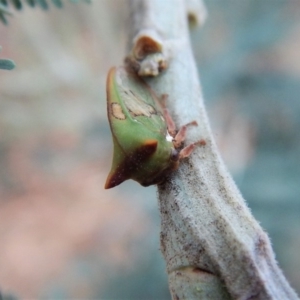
(212, 245)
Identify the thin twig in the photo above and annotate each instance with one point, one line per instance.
(213, 247)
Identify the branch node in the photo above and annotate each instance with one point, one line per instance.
(148, 56)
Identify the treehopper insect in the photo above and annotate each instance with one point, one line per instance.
(146, 144)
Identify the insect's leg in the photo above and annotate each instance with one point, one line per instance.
(163, 99)
(180, 136)
(187, 151)
(170, 123)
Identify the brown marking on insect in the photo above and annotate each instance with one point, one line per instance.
(136, 106)
(131, 164)
(117, 112)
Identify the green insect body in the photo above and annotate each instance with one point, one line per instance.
(144, 150)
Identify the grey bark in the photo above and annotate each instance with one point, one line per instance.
(212, 245)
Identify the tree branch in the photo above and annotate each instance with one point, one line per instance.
(213, 247)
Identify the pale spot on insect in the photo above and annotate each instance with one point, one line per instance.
(117, 112)
(169, 138)
(136, 105)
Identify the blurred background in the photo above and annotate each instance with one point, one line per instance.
(62, 235)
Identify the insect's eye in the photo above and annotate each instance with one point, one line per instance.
(174, 155)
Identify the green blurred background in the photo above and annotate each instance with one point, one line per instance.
(62, 235)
